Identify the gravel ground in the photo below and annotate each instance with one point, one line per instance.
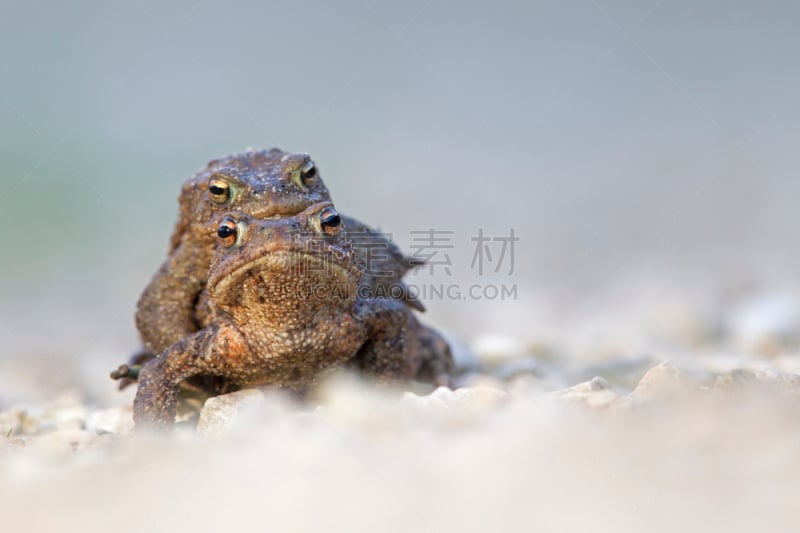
(532, 440)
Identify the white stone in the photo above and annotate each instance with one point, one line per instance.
(595, 393)
(593, 385)
(60, 442)
(759, 379)
(467, 397)
(118, 420)
(665, 381)
(220, 414)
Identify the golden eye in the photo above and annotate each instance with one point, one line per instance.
(306, 175)
(227, 232)
(330, 221)
(219, 190)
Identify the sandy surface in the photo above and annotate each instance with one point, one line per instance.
(531, 441)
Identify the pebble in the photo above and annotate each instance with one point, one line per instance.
(220, 414)
(117, 420)
(745, 379)
(663, 382)
(66, 425)
(56, 443)
(476, 398)
(595, 394)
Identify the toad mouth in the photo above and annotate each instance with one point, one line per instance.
(300, 264)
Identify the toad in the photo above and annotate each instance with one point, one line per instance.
(262, 184)
(284, 308)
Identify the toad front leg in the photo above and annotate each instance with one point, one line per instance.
(437, 364)
(392, 350)
(210, 352)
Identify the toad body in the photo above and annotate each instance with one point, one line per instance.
(284, 307)
(262, 184)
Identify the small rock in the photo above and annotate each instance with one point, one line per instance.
(221, 413)
(455, 408)
(787, 382)
(468, 397)
(67, 412)
(743, 379)
(595, 393)
(624, 371)
(480, 396)
(118, 421)
(736, 379)
(665, 381)
(593, 385)
(441, 398)
(61, 442)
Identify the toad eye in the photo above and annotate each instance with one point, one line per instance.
(227, 233)
(330, 221)
(308, 173)
(306, 176)
(219, 190)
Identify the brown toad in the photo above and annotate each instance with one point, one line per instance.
(285, 307)
(263, 184)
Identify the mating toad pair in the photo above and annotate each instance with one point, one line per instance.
(267, 284)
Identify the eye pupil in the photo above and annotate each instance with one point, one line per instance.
(225, 231)
(310, 172)
(220, 191)
(330, 219)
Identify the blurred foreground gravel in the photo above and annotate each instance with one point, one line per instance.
(528, 442)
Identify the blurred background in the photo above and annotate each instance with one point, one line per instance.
(644, 153)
